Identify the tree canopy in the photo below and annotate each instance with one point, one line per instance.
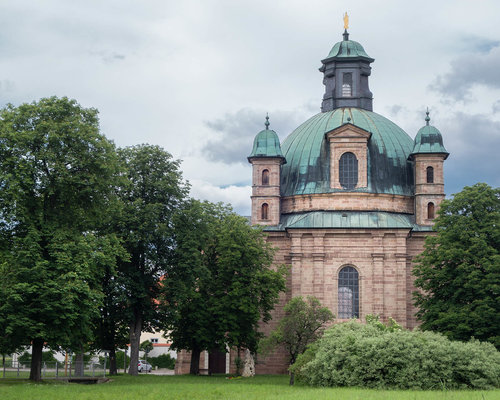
(459, 269)
(220, 284)
(152, 193)
(56, 173)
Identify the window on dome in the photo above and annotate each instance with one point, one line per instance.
(348, 171)
(347, 85)
(430, 211)
(265, 177)
(348, 296)
(430, 175)
(265, 211)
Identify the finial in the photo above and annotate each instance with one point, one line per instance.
(267, 121)
(427, 118)
(348, 120)
(346, 26)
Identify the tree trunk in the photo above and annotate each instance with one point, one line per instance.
(194, 368)
(135, 339)
(113, 370)
(36, 360)
(292, 378)
(79, 363)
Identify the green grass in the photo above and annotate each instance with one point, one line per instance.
(146, 387)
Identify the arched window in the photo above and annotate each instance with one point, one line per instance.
(430, 211)
(348, 171)
(347, 85)
(265, 177)
(430, 175)
(265, 211)
(348, 293)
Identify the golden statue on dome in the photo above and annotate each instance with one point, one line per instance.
(346, 21)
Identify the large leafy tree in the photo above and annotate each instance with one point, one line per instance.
(459, 270)
(111, 331)
(220, 284)
(303, 323)
(56, 171)
(153, 191)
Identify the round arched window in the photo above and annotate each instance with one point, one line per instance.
(430, 175)
(348, 171)
(348, 295)
(265, 177)
(430, 211)
(265, 211)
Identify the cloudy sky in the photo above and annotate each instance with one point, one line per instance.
(197, 77)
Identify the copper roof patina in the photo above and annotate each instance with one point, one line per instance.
(266, 144)
(429, 140)
(307, 153)
(347, 220)
(348, 49)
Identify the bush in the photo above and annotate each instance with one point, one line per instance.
(47, 356)
(162, 361)
(352, 354)
(120, 360)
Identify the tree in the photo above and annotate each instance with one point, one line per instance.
(152, 193)
(459, 270)
(146, 347)
(220, 284)
(111, 331)
(56, 171)
(303, 324)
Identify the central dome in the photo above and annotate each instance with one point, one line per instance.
(307, 154)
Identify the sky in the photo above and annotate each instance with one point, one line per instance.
(198, 77)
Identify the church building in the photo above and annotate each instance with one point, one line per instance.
(347, 199)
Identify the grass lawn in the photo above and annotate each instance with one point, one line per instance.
(145, 387)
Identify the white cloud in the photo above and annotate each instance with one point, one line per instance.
(237, 196)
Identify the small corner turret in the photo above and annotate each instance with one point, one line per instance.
(428, 156)
(266, 159)
(346, 71)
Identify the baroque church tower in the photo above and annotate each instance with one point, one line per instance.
(348, 199)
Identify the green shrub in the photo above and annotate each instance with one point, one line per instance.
(353, 354)
(119, 359)
(162, 361)
(47, 356)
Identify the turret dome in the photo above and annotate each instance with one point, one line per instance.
(428, 140)
(266, 144)
(348, 49)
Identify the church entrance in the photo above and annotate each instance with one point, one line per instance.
(217, 362)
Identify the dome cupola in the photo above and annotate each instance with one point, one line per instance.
(428, 140)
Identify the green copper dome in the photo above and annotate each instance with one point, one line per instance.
(348, 49)
(307, 153)
(266, 144)
(429, 140)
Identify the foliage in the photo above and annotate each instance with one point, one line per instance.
(152, 193)
(56, 174)
(220, 284)
(162, 361)
(459, 270)
(146, 346)
(303, 323)
(47, 356)
(353, 354)
(120, 361)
